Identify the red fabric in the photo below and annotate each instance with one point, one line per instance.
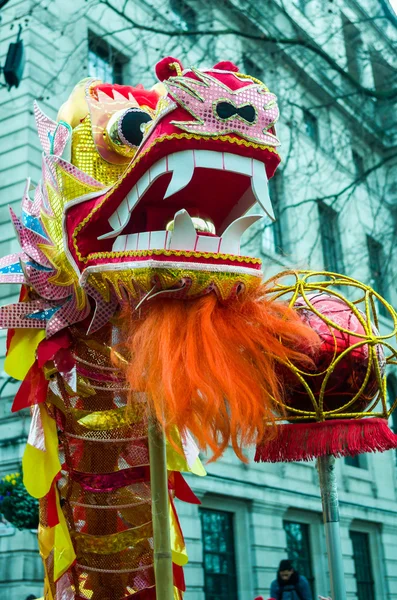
(33, 389)
(226, 65)
(179, 578)
(47, 349)
(52, 512)
(163, 69)
(183, 491)
(108, 482)
(64, 360)
(344, 437)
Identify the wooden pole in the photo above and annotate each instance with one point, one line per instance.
(160, 513)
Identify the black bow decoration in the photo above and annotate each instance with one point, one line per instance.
(226, 110)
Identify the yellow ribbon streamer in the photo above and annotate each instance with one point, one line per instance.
(22, 352)
(40, 468)
(58, 539)
(176, 459)
(178, 548)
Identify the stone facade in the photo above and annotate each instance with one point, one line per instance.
(338, 152)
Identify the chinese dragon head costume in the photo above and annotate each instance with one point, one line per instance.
(136, 302)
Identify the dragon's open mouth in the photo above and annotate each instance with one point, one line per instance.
(190, 183)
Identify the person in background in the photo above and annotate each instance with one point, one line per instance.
(289, 585)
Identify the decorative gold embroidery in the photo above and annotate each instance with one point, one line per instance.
(140, 281)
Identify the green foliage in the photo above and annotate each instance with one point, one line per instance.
(16, 505)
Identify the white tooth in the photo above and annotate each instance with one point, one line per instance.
(132, 198)
(168, 237)
(157, 169)
(132, 241)
(182, 165)
(118, 220)
(237, 164)
(184, 234)
(119, 243)
(230, 240)
(259, 184)
(207, 243)
(157, 240)
(143, 240)
(143, 184)
(120, 216)
(208, 159)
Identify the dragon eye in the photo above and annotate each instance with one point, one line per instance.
(130, 126)
(125, 130)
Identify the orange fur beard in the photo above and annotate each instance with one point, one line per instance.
(211, 367)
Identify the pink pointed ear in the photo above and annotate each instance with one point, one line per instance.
(167, 68)
(227, 65)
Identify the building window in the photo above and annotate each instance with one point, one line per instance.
(298, 549)
(184, 16)
(353, 461)
(251, 67)
(358, 162)
(220, 580)
(104, 62)
(330, 238)
(359, 461)
(353, 48)
(303, 5)
(391, 397)
(311, 125)
(362, 565)
(382, 72)
(378, 271)
(273, 236)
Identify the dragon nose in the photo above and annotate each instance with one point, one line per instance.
(227, 110)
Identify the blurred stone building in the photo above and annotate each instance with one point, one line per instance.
(332, 64)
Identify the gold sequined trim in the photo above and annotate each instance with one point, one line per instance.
(177, 136)
(185, 253)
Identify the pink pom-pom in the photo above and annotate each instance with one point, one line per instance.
(165, 68)
(227, 65)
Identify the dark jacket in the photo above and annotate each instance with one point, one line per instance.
(296, 588)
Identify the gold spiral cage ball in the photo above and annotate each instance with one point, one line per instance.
(348, 379)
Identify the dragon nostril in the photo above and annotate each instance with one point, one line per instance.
(226, 110)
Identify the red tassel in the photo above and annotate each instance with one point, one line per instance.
(306, 441)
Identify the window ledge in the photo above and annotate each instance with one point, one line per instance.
(357, 472)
